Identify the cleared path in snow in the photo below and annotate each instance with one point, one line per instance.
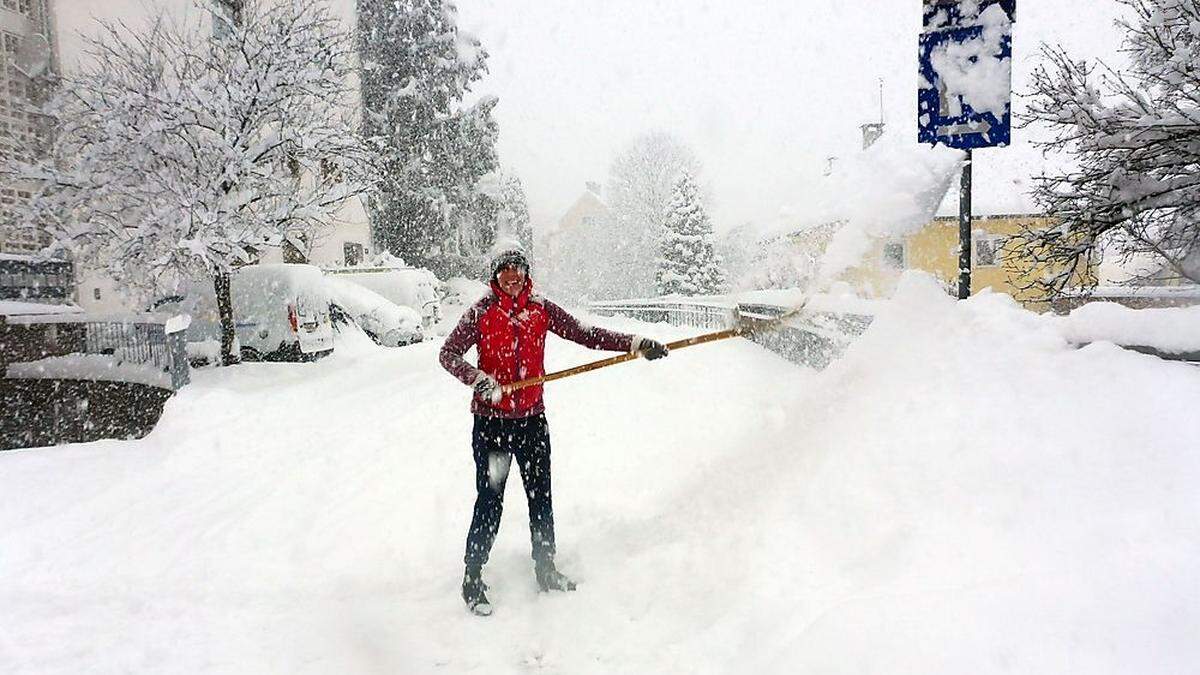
(311, 518)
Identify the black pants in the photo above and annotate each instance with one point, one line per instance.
(495, 442)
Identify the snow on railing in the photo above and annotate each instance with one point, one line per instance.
(813, 338)
(128, 342)
(694, 313)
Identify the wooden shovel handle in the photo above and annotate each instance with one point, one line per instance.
(622, 358)
(744, 326)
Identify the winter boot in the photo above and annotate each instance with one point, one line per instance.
(473, 592)
(550, 579)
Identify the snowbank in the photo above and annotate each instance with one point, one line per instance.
(965, 492)
(1171, 331)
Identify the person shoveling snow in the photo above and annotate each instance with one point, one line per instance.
(508, 329)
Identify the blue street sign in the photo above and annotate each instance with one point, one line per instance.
(968, 104)
(943, 14)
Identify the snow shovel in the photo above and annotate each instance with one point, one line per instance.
(741, 327)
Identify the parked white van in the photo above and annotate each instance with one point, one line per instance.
(280, 312)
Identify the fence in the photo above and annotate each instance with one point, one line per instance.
(813, 339)
(142, 343)
(692, 314)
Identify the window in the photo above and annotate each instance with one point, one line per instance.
(987, 251)
(893, 255)
(96, 293)
(353, 253)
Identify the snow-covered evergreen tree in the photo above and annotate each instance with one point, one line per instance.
(512, 214)
(1136, 139)
(417, 67)
(178, 153)
(641, 182)
(688, 263)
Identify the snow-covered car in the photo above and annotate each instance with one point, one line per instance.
(387, 323)
(457, 294)
(406, 286)
(280, 312)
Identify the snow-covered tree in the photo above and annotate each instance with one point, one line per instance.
(178, 153)
(737, 248)
(417, 67)
(688, 263)
(512, 212)
(1135, 136)
(641, 183)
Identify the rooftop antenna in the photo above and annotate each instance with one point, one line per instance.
(881, 101)
(871, 131)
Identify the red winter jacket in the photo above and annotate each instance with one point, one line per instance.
(510, 335)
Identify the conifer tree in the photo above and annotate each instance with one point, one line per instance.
(688, 263)
(641, 181)
(417, 67)
(513, 211)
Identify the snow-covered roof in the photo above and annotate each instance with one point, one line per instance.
(15, 308)
(25, 257)
(26, 313)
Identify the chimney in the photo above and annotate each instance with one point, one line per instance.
(871, 133)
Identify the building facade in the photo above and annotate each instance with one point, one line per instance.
(30, 63)
(934, 249)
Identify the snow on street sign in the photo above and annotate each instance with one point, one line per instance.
(965, 90)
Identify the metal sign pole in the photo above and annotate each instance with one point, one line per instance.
(949, 115)
(964, 230)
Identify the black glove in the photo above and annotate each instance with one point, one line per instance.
(487, 388)
(650, 349)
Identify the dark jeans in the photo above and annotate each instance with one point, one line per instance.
(495, 441)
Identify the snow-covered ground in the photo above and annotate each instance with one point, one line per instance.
(962, 492)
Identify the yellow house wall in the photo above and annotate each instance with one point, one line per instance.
(934, 249)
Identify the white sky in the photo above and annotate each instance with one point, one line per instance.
(763, 90)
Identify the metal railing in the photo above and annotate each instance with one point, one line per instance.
(148, 340)
(814, 339)
(131, 342)
(677, 312)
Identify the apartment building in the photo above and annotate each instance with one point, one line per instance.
(30, 60)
